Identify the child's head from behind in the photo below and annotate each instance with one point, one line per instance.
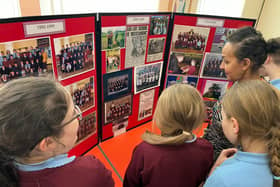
(251, 112)
(179, 108)
(36, 117)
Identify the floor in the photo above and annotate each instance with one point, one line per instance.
(116, 152)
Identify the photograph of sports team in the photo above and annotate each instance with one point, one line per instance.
(185, 63)
(87, 126)
(189, 39)
(159, 25)
(118, 108)
(82, 93)
(74, 55)
(22, 58)
(113, 60)
(211, 66)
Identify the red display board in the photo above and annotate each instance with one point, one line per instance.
(62, 47)
(195, 53)
(132, 57)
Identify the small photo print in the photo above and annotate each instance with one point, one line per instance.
(155, 49)
(211, 66)
(113, 60)
(189, 39)
(146, 104)
(83, 93)
(209, 104)
(147, 76)
(220, 38)
(119, 126)
(185, 63)
(87, 126)
(159, 25)
(74, 55)
(113, 37)
(117, 84)
(214, 89)
(173, 79)
(118, 109)
(23, 58)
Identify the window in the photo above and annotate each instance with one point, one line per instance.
(10, 9)
(230, 8)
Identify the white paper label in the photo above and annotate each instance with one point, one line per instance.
(210, 22)
(43, 28)
(137, 20)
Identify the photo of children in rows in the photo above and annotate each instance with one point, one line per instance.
(184, 63)
(117, 84)
(172, 79)
(112, 37)
(147, 76)
(74, 55)
(82, 93)
(24, 58)
(113, 60)
(189, 39)
(211, 66)
(87, 126)
(118, 108)
(159, 25)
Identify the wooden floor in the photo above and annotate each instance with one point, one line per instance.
(115, 153)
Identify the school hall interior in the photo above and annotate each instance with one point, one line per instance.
(112, 125)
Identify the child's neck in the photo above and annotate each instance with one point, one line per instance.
(254, 146)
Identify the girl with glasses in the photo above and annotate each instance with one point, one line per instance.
(38, 126)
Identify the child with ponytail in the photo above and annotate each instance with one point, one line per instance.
(177, 157)
(251, 120)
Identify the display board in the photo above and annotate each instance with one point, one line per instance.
(132, 57)
(60, 47)
(195, 54)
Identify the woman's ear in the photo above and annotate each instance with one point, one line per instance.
(246, 64)
(46, 144)
(235, 125)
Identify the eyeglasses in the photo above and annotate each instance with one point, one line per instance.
(78, 115)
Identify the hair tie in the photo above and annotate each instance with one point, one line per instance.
(187, 133)
(276, 177)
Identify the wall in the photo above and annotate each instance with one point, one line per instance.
(252, 8)
(30, 7)
(269, 23)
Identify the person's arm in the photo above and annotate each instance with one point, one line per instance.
(225, 154)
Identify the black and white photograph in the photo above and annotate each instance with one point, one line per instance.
(214, 89)
(155, 49)
(22, 58)
(185, 63)
(211, 66)
(87, 126)
(118, 109)
(136, 43)
(74, 55)
(83, 93)
(117, 84)
(113, 60)
(146, 104)
(159, 25)
(119, 126)
(173, 79)
(220, 38)
(147, 76)
(189, 39)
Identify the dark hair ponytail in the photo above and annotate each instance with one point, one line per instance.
(8, 172)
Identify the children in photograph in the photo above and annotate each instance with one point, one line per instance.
(243, 55)
(176, 157)
(39, 124)
(251, 121)
(272, 64)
